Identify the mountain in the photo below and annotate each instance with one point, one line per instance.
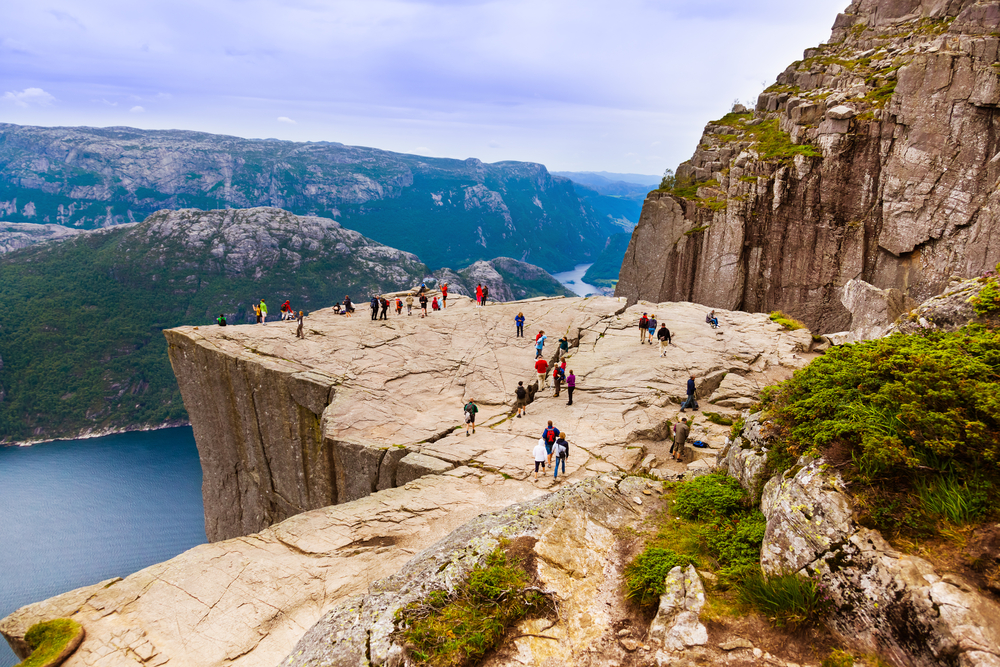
(81, 347)
(617, 201)
(604, 271)
(874, 157)
(449, 212)
(608, 183)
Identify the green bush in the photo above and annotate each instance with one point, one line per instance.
(838, 658)
(987, 302)
(645, 576)
(453, 630)
(48, 639)
(787, 321)
(897, 410)
(735, 543)
(787, 600)
(716, 418)
(715, 495)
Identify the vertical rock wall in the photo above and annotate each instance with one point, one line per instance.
(875, 157)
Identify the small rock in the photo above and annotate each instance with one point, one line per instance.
(637, 500)
(757, 653)
(628, 643)
(841, 112)
(647, 492)
(735, 643)
(624, 632)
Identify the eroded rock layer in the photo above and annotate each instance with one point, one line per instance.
(875, 157)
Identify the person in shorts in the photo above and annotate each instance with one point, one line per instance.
(470, 416)
(521, 399)
(540, 454)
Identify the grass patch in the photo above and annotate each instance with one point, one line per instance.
(645, 576)
(914, 420)
(458, 629)
(987, 302)
(788, 601)
(787, 321)
(716, 418)
(48, 639)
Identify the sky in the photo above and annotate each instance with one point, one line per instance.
(588, 85)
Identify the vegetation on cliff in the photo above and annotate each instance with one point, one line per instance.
(49, 640)
(914, 420)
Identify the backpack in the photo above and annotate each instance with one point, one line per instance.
(550, 435)
(468, 409)
(520, 392)
(561, 451)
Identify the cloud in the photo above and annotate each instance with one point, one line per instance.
(29, 96)
(137, 109)
(286, 119)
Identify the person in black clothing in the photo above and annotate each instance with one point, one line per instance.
(385, 309)
(221, 320)
(643, 327)
(348, 306)
(690, 402)
(423, 305)
(522, 399)
(374, 306)
(298, 331)
(664, 335)
(486, 293)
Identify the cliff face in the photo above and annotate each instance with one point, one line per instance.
(875, 157)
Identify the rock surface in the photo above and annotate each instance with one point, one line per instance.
(888, 173)
(676, 625)
(14, 235)
(286, 425)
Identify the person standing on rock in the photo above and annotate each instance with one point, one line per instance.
(470, 416)
(486, 294)
(562, 453)
(434, 304)
(519, 322)
(539, 344)
(652, 328)
(542, 368)
(385, 309)
(423, 305)
(570, 386)
(664, 335)
(690, 402)
(563, 347)
(681, 431)
(479, 295)
(540, 454)
(521, 399)
(643, 328)
(263, 312)
(373, 304)
(409, 304)
(256, 313)
(444, 295)
(399, 306)
(558, 375)
(348, 306)
(298, 331)
(549, 435)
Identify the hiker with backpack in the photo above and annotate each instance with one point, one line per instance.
(558, 375)
(652, 328)
(409, 304)
(681, 431)
(643, 328)
(521, 399)
(562, 453)
(423, 305)
(385, 309)
(399, 306)
(221, 319)
(549, 435)
(373, 304)
(664, 335)
(470, 416)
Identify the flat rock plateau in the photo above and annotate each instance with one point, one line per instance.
(330, 461)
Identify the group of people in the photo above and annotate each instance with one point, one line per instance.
(260, 314)
(482, 292)
(648, 330)
(552, 444)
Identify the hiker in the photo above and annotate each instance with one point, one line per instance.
(570, 386)
(470, 416)
(652, 328)
(409, 304)
(712, 319)
(664, 335)
(549, 435)
(539, 344)
(348, 306)
(690, 402)
(563, 347)
(519, 322)
(385, 309)
(681, 431)
(479, 295)
(423, 304)
(562, 453)
(286, 310)
(486, 294)
(298, 331)
(221, 319)
(643, 328)
(373, 304)
(444, 295)
(542, 368)
(434, 304)
(399, 306)
(540, 454)
(558, 375)
(521, 402)
(337, 309)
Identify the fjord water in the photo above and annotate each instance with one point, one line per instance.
(76, 512)
(573, 280)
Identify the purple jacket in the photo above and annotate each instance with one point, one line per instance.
(570, 380)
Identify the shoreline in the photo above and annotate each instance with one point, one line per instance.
(86, 435)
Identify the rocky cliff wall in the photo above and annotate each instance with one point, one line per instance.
(875, 157)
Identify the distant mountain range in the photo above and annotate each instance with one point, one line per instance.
(449, 212)
(81, 347)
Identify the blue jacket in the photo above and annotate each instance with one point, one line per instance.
(545, 434)
(519, 320)
(691, 386)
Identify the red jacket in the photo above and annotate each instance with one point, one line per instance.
(542, 366)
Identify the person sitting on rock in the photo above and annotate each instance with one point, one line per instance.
(221, 319)
(434, 304)
(712, 319)
(563, 347)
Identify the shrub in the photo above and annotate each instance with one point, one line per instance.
(896, 409)
(716, 418)
(735, 543)
(838, 658)
(987, 302)
(715, 495)
(48, 639)
(452, 630)
(788, 322)
(787, 600)
(645, 576)
(955, 499)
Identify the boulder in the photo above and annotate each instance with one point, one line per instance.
(415, 465)
(873, 310)
(676, 625)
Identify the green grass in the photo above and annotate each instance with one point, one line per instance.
(645, 576)
(47, 640)
(716, 418)
(787, 321)
(789, 600)
(987, 302)
(458, 629)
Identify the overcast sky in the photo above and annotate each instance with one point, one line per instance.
(588, 85)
